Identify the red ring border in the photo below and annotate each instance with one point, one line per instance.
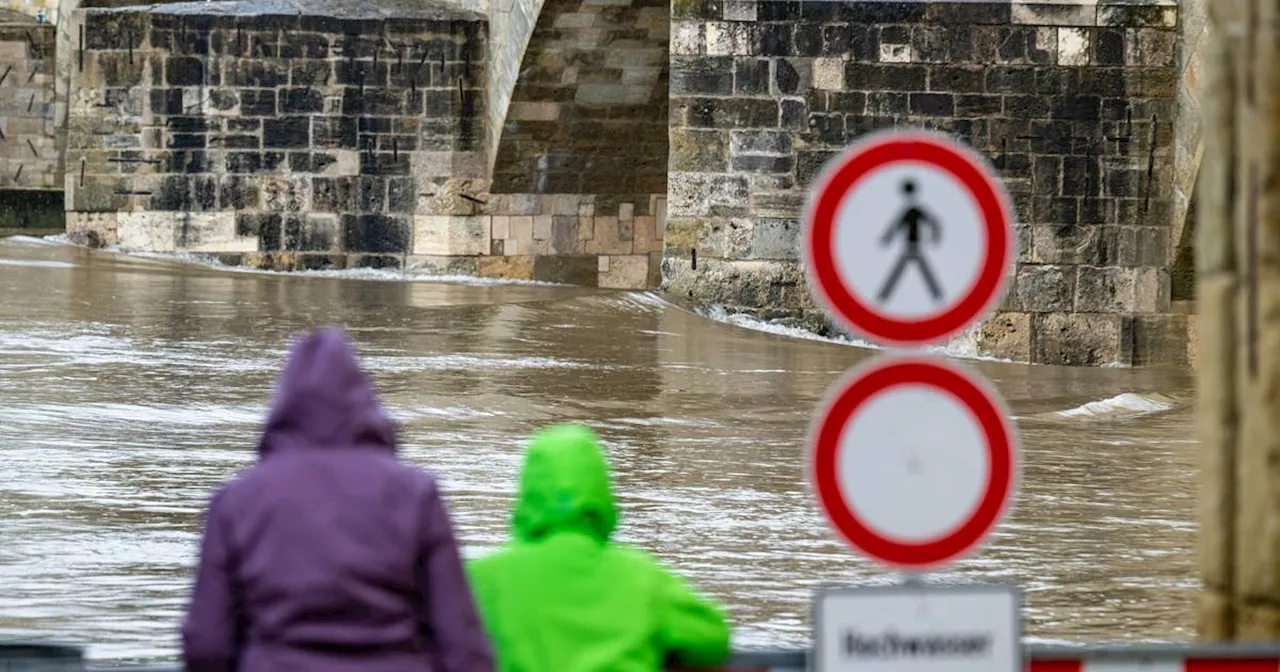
(843, 174)
(865, 383)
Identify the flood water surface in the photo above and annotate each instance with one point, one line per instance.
(130, 388)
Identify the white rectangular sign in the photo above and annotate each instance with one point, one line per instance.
(918, 628)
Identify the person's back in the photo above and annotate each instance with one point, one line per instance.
(330, 554)
(562, 598)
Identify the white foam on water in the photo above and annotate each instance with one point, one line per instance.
(46, 341)
(463, 363)
(964, 346)
(409, 415)
(649, 298)
(720, 314)
(196, 415)
(1128, 403)
(35, 241)
(36, 263)
(383, 274)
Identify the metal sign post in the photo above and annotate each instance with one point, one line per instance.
(908, 240)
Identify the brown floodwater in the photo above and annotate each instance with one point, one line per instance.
(131, 387)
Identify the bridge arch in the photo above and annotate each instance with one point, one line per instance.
(1188, 144)
(586, 111)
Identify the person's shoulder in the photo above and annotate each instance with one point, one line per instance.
(424, 483)
(493, 562)
(487, 561)
(232, 493)
(241, 481)
(638, 558)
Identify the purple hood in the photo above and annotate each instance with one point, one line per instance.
(330, 554)
(324, 399)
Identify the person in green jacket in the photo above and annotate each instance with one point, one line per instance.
(561, 597)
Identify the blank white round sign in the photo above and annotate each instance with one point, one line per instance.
(913, 463)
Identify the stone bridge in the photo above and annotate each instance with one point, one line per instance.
(633, 143)
(762, 91)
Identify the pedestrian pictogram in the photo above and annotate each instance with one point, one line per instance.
(913, 460)
(908, 238)
(908, 226)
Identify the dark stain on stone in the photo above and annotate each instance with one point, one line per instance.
(166, 101)
(287, 132)
(402, 195)
(237, 192)
(184, 71)
(257, 102)
(786, 77)
(223, 99)
(174, 193)
(375, 233)
(254, 162)
(301, 101)
(187, 140)
(204, 190)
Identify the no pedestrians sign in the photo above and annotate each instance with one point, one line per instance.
(908, 238)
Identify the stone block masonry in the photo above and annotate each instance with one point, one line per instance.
(582, 145)
(347, 136)
(589, 115)
(275, 139)
(1072, 103)
(28, 138)
(581, 239)
(30, 181)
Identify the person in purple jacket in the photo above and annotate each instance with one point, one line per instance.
(330, 554)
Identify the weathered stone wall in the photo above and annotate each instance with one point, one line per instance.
(30, 180)
(588, 114)
(581, 138)
(313, 141)
(1073, 103)
(335, 139)
(28, 149)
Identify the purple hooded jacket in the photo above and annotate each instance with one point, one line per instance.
(330, 554)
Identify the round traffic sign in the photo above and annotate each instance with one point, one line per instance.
(913, 460)
(908, 237)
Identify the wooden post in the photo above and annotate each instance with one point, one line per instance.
(1257, 574)
(1218, 285)
(1238, 271)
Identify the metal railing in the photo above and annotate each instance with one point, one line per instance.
(1039, 657)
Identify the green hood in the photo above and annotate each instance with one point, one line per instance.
(565, 485)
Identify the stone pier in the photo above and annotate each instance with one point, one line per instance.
(1072, 103)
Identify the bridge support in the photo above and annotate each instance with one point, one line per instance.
(1238, 268)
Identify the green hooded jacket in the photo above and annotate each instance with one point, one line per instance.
(562, 598)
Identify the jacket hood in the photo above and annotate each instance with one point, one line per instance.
(565, 485)
(324, 400)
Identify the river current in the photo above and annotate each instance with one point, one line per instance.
(130, 387)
